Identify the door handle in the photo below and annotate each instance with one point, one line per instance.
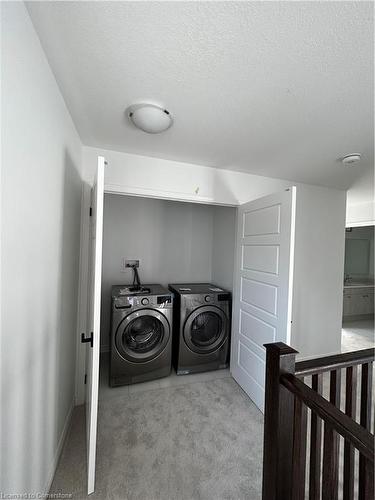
(88, 339)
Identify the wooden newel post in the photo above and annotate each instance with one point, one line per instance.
(278, 424)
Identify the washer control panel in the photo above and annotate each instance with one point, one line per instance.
(155, 301)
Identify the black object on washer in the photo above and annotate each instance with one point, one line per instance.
(141, 334)
(201, 327)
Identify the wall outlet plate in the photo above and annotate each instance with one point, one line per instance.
(128, 263)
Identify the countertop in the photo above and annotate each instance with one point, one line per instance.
(358, 284)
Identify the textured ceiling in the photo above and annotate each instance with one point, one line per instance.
(279, 89)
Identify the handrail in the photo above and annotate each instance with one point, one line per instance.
(335, 362)
(286, 425)
(344, 425)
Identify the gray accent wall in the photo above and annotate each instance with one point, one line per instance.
(223, 252)
(174, 241)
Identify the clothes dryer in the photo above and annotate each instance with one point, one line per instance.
(201, 327)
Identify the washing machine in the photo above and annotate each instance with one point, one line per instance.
(201, 327)
(141, 334)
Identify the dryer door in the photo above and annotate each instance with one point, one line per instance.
(142, 335)
(206, 329)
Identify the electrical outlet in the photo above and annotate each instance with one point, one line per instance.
(128, 263)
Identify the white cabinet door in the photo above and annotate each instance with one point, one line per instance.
(358, 301)
(95, 278)
(348, 305)
(368, 302)
(359, 304)
(262, 299)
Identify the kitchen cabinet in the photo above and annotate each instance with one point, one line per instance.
(358, 301)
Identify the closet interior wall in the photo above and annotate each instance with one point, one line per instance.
(174, 242)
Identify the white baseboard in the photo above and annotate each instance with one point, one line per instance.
(59, 449)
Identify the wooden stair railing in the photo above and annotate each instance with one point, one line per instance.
(295, 444)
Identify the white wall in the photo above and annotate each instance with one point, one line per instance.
(360, 207)
(318, 271)
(172, 240)
(41, 196)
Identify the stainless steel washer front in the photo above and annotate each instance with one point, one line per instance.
(142, 335)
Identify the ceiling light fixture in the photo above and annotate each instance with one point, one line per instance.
(150, 118)
(350, 159)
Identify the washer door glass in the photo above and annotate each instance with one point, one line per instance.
(206, 329)
(142, 335)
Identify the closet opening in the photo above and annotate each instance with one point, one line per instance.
(148, 245)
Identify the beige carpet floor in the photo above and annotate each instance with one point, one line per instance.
(197, 441)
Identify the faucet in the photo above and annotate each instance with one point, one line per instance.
(347, 278)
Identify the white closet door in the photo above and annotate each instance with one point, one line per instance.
(92, 357)
(263, 279)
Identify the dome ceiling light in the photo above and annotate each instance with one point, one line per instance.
(150, 118)
(350, 159)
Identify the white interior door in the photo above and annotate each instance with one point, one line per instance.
(92, 356)
(263, 280)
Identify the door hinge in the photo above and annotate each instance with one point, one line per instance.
(85, 378)
(88, 339)
(90, 211)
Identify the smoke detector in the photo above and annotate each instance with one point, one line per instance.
(351, 159)
(150, 118)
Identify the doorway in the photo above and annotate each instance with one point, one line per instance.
(176, 436)
(173, 242)
(358, 299)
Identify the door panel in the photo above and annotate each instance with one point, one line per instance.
(260, 221)
(251, 363)
(262, 303)
(255, 329)
(260, 295)
(95, 277)
(262, 258)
